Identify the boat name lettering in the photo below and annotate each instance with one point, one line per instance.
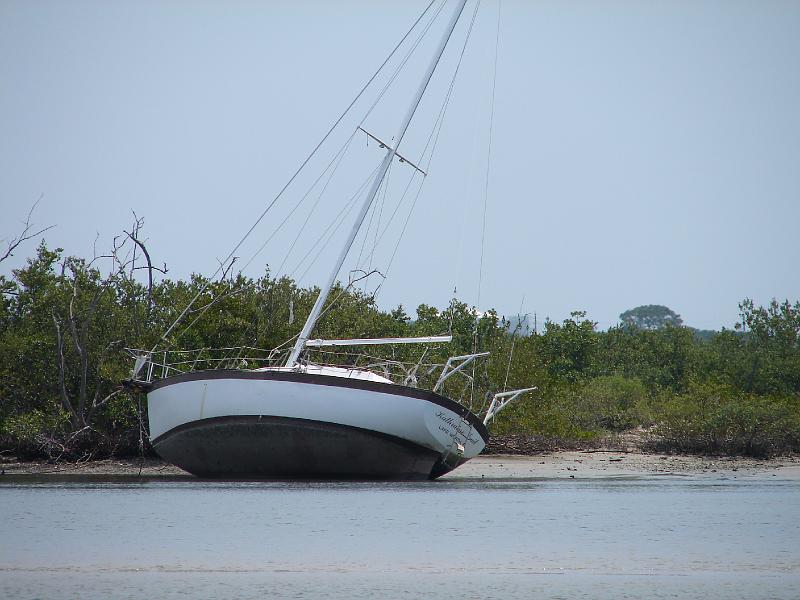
(454, 429)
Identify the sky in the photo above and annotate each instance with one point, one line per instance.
(641, 152)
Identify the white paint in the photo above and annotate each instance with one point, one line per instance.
(379, 341)
(331, 371)
(419, 421)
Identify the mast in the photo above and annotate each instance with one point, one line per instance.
(381, 175)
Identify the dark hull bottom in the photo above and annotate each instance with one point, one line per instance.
(252, 447)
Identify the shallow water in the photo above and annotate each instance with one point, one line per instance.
(599, 538)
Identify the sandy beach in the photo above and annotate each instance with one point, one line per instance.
(547, 465)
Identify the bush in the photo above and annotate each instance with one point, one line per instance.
(548, 412)
(716, 419)
(31, 433)
(581, 411)
(612, 403)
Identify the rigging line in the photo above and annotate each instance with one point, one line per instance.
(379, 238)
(460, 258)
(406, 58)
(364, 239)
(369, 224)
(405, 225)
(324, 312)
(337, 159)
(398, 205)
(374, 188)
(437, 131)
(333, 302)
(489, 149)
(345, 210)
(316, 203)
(327, 241)
(250, 331)
(381, 204)
(486, 194)
(438, 124)
(446, 103)
(294, 176)
(219, 298)
(372, 210)
(203, 311)
(329, 306)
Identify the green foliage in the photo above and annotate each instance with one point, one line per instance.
(772, 343)
(612, 403)
(651, 316)
(570, 348)
(717, 418)
(64, 327)
(26, 428)
(662, 358)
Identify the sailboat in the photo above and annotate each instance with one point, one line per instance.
(319, 421)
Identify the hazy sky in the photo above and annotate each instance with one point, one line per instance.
(642, 152)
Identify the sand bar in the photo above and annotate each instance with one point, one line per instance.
(548, 465)
(601, 463)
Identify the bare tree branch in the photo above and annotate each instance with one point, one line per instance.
(61, 362)
(101, 403)
(80, 337)
(228, 268)
(133, 235)
(28, 232)
(95, 404)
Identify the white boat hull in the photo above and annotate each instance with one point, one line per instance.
(297, 425)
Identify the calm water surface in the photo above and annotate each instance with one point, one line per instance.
(599, 538)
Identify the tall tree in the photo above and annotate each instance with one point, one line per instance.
(651, 316)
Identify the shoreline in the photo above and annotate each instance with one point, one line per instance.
(560, 464)
(601, 463)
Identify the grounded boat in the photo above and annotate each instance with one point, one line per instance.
(311, 423)
(317, 421)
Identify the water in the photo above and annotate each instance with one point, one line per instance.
(554, 538)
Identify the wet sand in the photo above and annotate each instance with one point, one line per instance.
(600, 463)
(549, 465)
